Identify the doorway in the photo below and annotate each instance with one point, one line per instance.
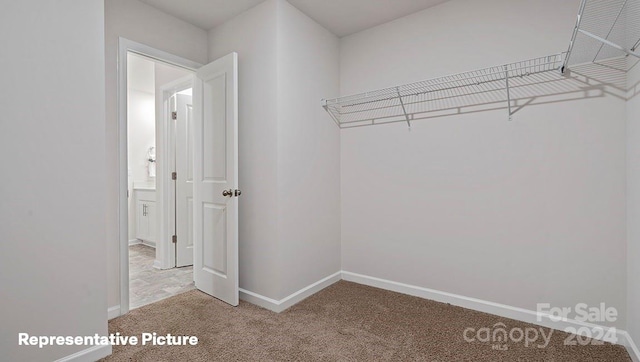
(214, 173)
(158, 96)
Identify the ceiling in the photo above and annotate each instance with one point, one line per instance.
(206, 14)
(345, 17)
(341, 17)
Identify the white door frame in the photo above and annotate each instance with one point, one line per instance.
(167, 258)
(125, 46)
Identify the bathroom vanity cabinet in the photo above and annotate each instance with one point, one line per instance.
(146, 216)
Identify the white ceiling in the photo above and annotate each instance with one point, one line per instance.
(206, 14)
(345, 17)
(342, 17)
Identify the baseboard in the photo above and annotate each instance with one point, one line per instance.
(502, 310)
(113, 312)
(631, 347)
(282, 304)
(151, 244)
(157, 264)
(90, 354)
(260, 300)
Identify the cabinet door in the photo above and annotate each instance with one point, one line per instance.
(142, 222)
(151, 221)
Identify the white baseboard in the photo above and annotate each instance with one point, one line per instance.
(282, 304)
(260, 300)
(113, 312)
(631, 347)
(90, 354)
(151, 244)
(157, 264)
(502, 310)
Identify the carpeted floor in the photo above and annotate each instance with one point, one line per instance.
(345, 322)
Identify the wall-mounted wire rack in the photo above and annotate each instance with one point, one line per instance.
(410, 102)
(605, 29)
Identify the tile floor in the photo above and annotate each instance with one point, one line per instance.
(147, 284)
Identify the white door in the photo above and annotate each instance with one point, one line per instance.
(215, 179)
(184, 180)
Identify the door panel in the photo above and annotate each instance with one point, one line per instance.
(215, 246)
(184, 181)
(214, 160)
(216, 171)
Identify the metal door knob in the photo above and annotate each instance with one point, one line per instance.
(227, 193)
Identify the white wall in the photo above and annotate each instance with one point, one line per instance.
(308, 151)
(141, 126)
(141, 135)
(52, 143)
(252, 35)
(141, 120)
(518, 212)
(289, 154)
(139, 22)
(633, 201)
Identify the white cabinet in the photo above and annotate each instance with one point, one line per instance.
(146, 216)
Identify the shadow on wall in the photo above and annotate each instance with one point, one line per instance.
(634, 89)
(593, 80)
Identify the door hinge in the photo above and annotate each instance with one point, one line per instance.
(174, 239)
(174, 175)
(174, 115)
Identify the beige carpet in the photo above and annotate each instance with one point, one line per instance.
(345, 322)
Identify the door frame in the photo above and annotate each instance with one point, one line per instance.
(167, 258)
(124, 47)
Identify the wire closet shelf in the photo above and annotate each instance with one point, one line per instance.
(409, 102)
(604, 30)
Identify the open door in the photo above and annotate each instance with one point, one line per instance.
(215, 179)
(183, 125)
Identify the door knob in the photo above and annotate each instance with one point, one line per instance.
(227, 193)
(238, 193)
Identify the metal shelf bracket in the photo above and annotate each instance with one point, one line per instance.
(506, 78)
(404, 109)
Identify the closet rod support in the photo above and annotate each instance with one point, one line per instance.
(506, 77)
(611, 29)
(574, 35)
(610, 43)
(404, 110)
(326, 108)
(636, 45)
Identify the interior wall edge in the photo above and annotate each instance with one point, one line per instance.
(631, 346)
(284, 303)
(113, 312)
